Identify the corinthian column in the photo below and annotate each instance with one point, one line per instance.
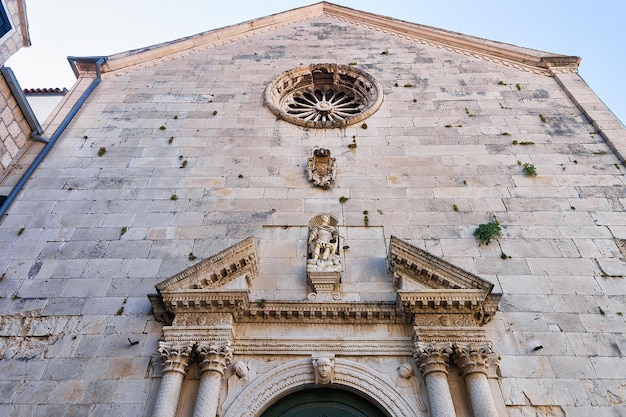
(175, 360)
(474, 360)
(432, 359)
(213, 361)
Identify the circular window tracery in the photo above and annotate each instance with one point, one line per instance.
(323, 95)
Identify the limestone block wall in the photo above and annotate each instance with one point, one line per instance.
(14, 130)
(180, 159)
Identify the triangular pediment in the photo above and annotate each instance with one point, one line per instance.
(494, 51)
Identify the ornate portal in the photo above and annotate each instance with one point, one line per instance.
(322, 168)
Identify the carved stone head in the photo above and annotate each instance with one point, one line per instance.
(324, 369)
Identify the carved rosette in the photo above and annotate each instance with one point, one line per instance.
(433, 357)
(214, 357)
(474, 357)
(175, 356)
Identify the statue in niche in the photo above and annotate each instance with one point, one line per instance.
(323, 242)
(322, 168)
(324, 369)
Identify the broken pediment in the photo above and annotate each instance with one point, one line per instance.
(428, 284)
(235, 262)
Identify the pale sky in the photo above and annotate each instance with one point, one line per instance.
(595, 31)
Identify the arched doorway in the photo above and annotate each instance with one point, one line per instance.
(323, 402)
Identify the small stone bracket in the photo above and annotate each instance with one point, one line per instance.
(324, 284)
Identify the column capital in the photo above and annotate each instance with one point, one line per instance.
(175, 355)
(213, 356)
(474, 357)
(433, 356)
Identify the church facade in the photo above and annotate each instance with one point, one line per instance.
(320, 212)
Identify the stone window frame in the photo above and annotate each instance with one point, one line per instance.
(324, 95)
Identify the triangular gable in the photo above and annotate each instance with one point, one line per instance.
(239, 260)
(525, 58)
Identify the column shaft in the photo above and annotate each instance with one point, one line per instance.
(439, 395)
(480, 395)
(169, 393)
(208, 394)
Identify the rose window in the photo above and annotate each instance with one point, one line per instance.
(323, 96)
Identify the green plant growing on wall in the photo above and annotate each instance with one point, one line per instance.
(170, 140)
(487, 231)
(518, 86)
(162, 127)
(408, 85)
(123, 230)
(191, 256)
(174, 197)
(343, 199)
(20, 231)
(175, 116)
(455, 207)
(102, 151)
(214, 112)
(542, 117)
(184, 164)
(352, 63)
(530, 170)
(470, 114)
(352, 145)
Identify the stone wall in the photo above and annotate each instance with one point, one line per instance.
(14, 130)
(179, 160)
